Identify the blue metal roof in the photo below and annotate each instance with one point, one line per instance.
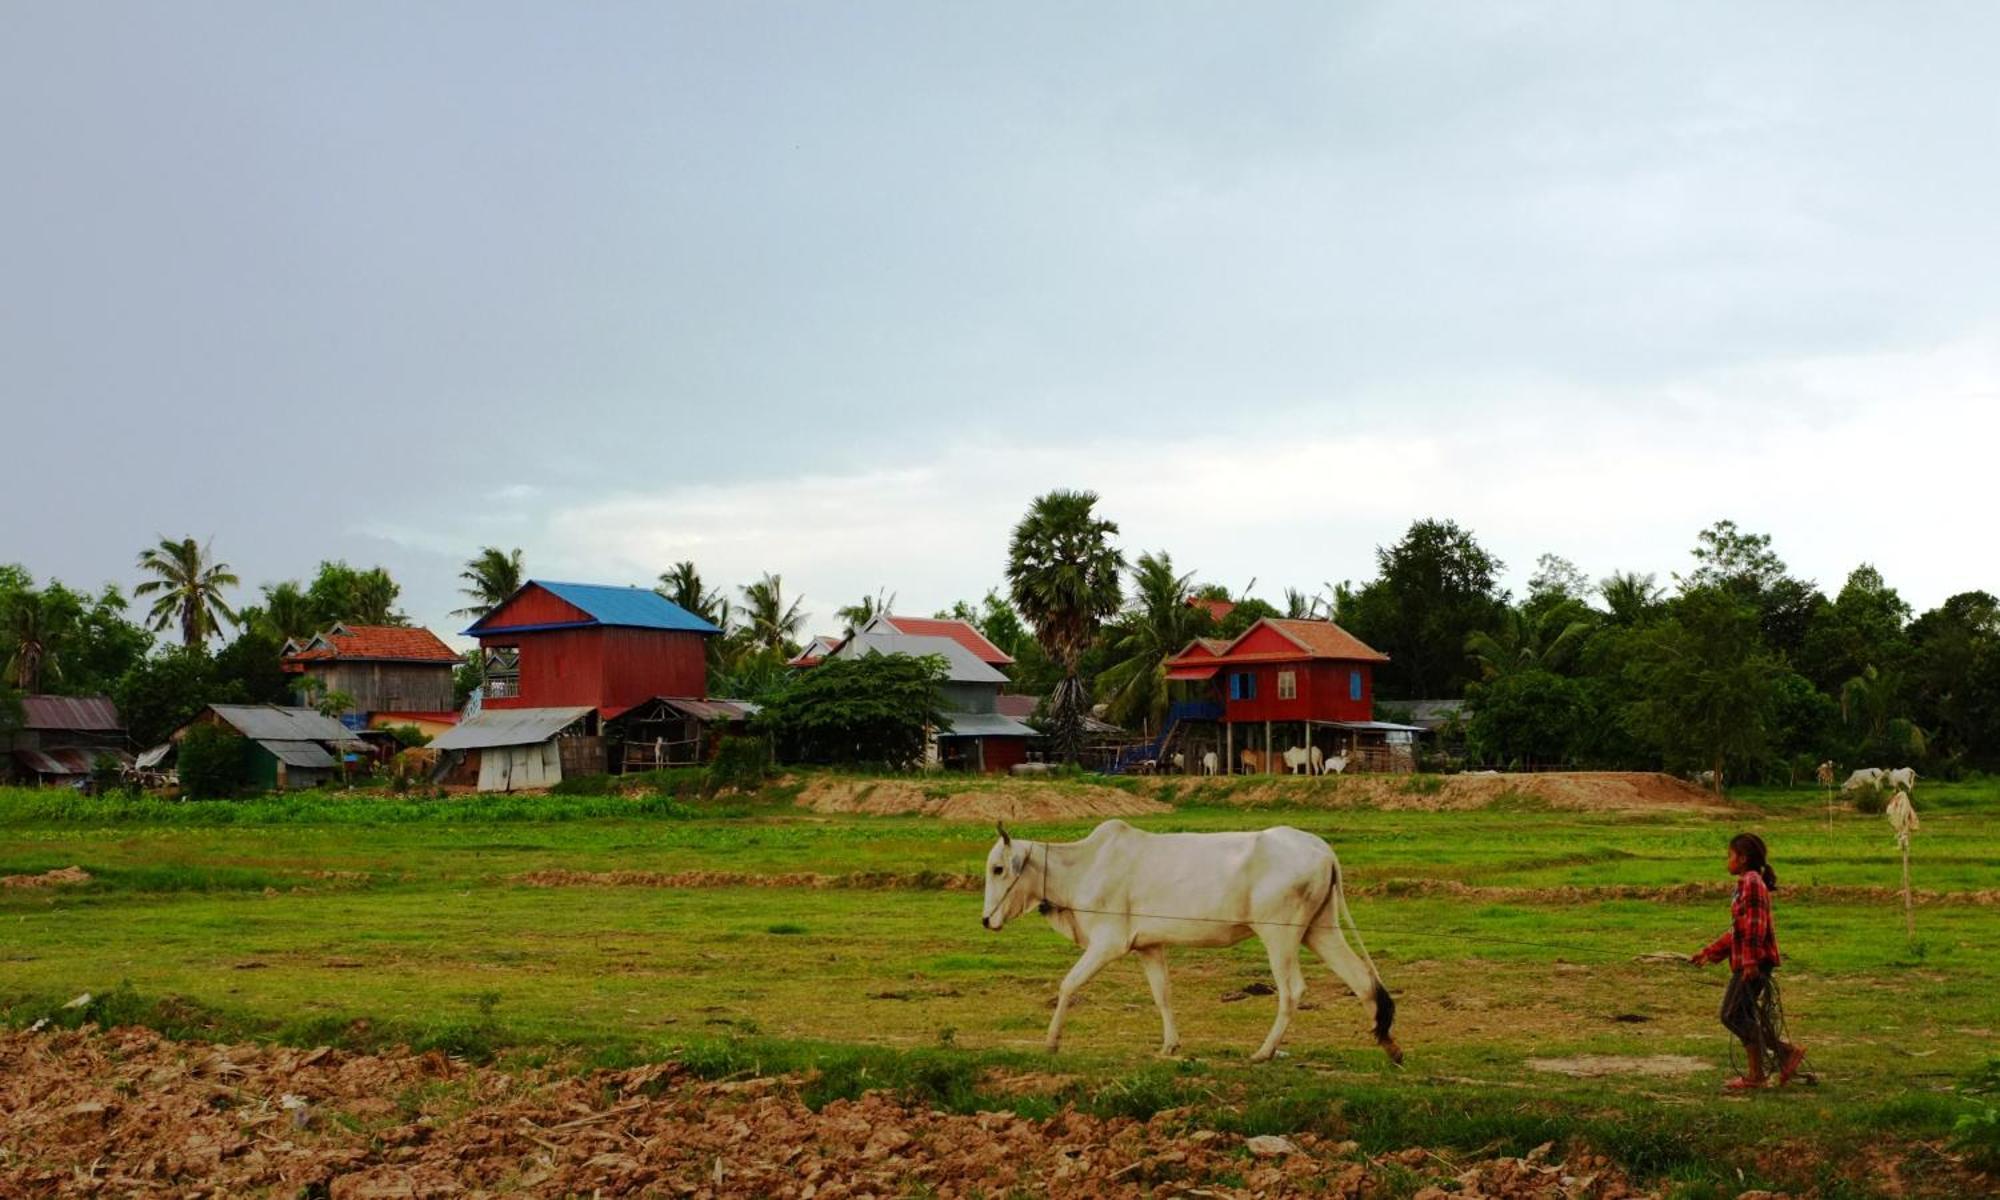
(631, 607)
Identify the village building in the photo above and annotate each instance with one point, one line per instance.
(61, 738)
(579, 658)
(815, 651)
(980, 736)
(284, 748)
(1281, 685)
(394, 674)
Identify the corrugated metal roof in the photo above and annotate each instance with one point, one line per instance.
(268, 722)
(299, 754)
(961, 664)
(984, 725)
(963, 632)
(95, 713)
(1017, 706)
(708, 710)
(68, 761)
(631, 607)
(508, 727)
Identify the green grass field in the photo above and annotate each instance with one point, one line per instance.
(370, 921)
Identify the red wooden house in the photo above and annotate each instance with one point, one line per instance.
(589, 645)
(1282, 684)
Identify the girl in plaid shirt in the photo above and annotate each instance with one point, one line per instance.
(1751, 947)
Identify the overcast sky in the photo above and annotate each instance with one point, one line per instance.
(834, 290)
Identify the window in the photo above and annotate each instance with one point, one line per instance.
(1354, 685)
(1288, 685)
(1242, 686)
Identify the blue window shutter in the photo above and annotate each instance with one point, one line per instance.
(1354, 685)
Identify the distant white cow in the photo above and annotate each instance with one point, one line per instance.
(1298, 760)
(1318, 761)
(1337, 764)
(1210, 764)
(1901, 779)
(1866, 777)
(1180, 762)
(1124, 891)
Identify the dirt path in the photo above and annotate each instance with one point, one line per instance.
(128, 1113)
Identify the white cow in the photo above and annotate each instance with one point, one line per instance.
(1210, 764)
(1180, 762)
(1124, 891)
(1318, 761)
(1902, 779)
(1866, 777)
(1337, 764)
(1297, 760)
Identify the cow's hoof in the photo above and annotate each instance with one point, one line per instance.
(1171, 1051)
(1261, 1056)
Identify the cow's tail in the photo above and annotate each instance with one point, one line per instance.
(1385, 1004)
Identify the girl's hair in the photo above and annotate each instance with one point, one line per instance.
(1750, 848)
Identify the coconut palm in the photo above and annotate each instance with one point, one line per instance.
(189, 586)
(683, 586)
(1158, 622)
(854, 616)
(1629, 596)
(773, 625)
(490, 577)
(1539, 642)
(286, 612)
(1062, 571)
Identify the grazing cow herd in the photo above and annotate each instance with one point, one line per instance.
(1299, 760)
(1902, 779)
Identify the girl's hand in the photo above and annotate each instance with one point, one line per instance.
(1696, 959)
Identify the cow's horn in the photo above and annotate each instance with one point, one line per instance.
(1004, 838)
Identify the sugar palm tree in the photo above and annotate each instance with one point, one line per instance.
(1157, 624)
(854, 616)
(490, 577)
(32, 633)
(1062, 572)
(189, 586)
(772, 624)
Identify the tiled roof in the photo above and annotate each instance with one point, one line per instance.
(1217, 609)
(962, 632)
(381, 642)
(1324, 639)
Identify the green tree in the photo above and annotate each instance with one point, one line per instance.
(1248, 611)
(341, 594)
(490, 576)
(1062, 575)
(875, 709)
(210, 763)
(285, 614)
(1433, 589)
(772, 624)
(1865, 625)
(1158, 623)
(1954, 677)
(1531, 639)
(1705, 684)
(36, 628)
(684, 587)
(1630, 598)
(189, 586)
(164, 692)
(1531, 716)
(104, 642)
(250, 669)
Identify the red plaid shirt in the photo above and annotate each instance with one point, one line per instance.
(1753, 936)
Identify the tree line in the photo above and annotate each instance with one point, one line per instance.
(1735, 665)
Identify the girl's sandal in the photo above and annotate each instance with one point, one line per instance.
(1793, 1062)
(1743, 1083)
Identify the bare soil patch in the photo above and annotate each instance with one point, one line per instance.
(982, 800)
(1590, 791)
(48, 879)
(1597, 1066)
(128, 1113)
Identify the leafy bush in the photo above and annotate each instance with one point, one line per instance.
(742, 764)
(1871, 798)
(211, 763)
(409, 736)
(858, 710)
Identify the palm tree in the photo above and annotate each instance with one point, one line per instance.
(854, 616)
(286, 613)
(1156, 625)
(33, 630)
(1063, 572)
(773, 625)
(490, 577)
(683, 586)
(1629, 596)
(1526, 642)
(189, 585)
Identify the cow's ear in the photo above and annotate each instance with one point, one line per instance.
(1005, 840)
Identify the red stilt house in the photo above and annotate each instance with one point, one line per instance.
(1282, 685)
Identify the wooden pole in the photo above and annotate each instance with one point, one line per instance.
(1909, 917)
(1269, 767)
(1229, 747)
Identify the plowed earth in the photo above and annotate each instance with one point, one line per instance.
(128, 1113)
(1009, 800)
(1590, 791)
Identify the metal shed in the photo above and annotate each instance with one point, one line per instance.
(518, 748)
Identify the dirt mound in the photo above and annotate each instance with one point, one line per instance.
(975, 800)
(55, 878)
(130, 1114)
(1598, 791)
